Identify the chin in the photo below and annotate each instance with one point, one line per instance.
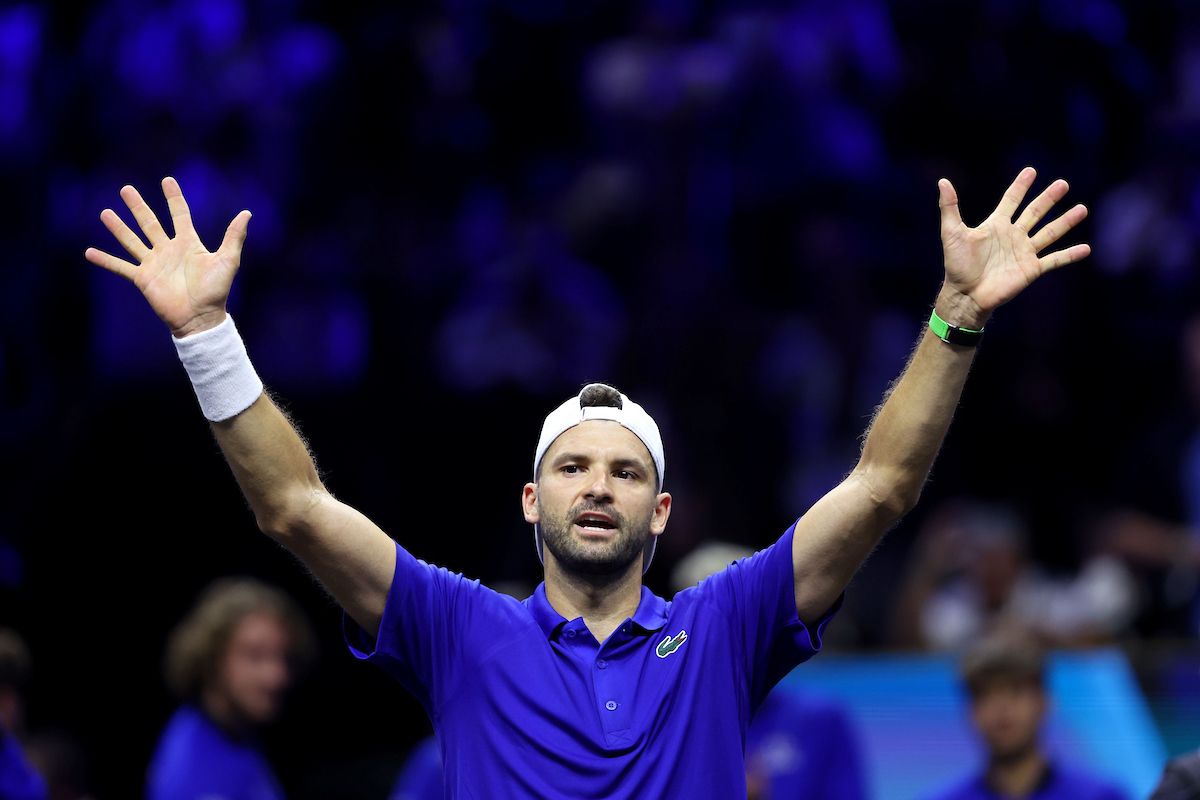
(260, 713)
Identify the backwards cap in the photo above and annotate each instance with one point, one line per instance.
(629, 414)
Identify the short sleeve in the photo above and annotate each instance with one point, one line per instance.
(757, 595)
(429, 611)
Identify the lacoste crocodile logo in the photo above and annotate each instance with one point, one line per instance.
(671, 644)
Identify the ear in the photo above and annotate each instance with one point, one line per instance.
(529, 506)
(662, 510)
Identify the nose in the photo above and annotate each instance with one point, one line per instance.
(600, 490)
(275, 672)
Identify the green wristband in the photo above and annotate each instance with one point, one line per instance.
(952, 333)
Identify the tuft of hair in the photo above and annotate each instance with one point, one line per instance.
(198, 642)
(14, 660)
(1007, 657)
(600, 394)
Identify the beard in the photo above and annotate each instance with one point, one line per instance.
(601, 558)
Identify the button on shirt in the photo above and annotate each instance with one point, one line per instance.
(527, 703)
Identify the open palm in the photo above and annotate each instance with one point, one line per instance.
(185, 284)
(993, 262)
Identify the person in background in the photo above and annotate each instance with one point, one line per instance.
(970, 574)
(421, 776)
(1156, 530)
(1180, 779)
(231, 661)
(1005, 677)
(18, 779)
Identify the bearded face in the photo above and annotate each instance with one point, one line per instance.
(596, 501)
(593, 538)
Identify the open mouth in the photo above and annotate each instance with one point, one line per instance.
(598, 523)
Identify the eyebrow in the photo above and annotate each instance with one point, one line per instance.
(564, 458)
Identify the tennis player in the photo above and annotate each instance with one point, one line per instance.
(592, 687)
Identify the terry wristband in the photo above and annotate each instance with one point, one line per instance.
(952, 333)
(222, 375)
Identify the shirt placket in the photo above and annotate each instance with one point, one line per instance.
(612, 694)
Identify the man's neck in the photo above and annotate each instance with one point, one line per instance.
(604, 603)
(218, 708)
(1018, 776)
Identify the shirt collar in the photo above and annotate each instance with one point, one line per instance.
(651, 613)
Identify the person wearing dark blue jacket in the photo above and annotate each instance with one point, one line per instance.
(1005, 676)
(231, 661)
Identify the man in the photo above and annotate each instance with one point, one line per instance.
(970, 572)
(593, 686)
(799, 746)
(230, 660)
(1005, 676)
(18, 778)
(1180, 779)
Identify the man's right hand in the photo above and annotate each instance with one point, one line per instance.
(185, 284)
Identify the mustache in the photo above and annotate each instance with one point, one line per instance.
(599, 508)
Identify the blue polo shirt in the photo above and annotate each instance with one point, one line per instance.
(196, 759)
(804, 747)
(528, 704)
(1060, 782)
(18, 779)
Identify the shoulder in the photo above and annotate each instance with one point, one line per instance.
(1076, 783)
(187, 728)
(193, 755)
(965, 789)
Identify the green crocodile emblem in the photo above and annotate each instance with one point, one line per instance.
(671, 644)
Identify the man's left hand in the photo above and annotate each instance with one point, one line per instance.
(991, 264)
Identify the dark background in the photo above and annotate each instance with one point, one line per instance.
(463, 211)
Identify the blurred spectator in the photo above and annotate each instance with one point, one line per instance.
(231, 660)
(971, 573)
(18, 780)
(1181, 779)
(421, 776)
(1005, 676)
(63, 763)
(1162, 541)
(803, 747)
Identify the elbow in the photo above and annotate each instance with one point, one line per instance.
(893, 495)
(288, 516)
(898, 506)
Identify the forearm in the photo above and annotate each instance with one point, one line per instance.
(986, 266)
(271, 464)
(841, 529)
(270, 461)
(907, 432)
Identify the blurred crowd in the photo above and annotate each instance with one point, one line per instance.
(464, 210)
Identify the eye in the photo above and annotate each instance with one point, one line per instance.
(625, 474)
(571, 469)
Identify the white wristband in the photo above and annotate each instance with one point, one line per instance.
(222, 375)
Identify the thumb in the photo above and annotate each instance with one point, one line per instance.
(948, 202)
(235, 237)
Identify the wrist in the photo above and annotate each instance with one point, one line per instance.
(221, 373)
(960, 310)
(200, 322)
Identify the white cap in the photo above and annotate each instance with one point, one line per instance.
(629, 414)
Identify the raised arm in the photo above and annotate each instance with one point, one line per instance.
(187, 286)
(985, 267)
